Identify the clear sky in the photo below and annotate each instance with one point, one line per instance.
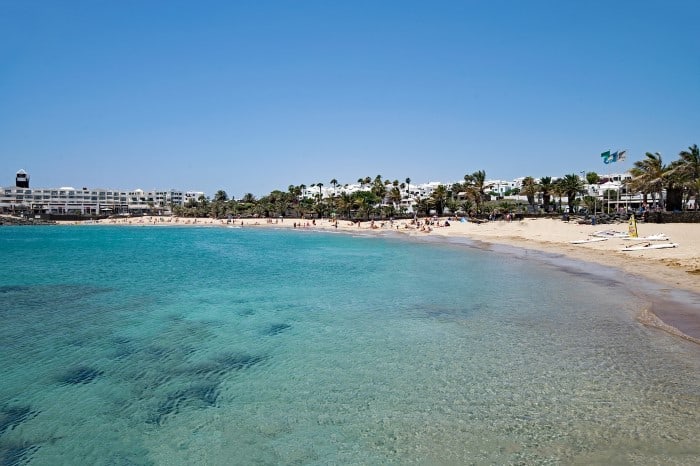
(251, 96)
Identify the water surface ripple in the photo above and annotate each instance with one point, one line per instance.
(150, 345)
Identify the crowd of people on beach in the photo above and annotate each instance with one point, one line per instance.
(416, 224)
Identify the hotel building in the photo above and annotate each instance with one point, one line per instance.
(87, 201)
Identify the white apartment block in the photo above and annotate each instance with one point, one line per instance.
(87, 201)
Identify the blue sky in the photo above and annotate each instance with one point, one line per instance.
(251, 96)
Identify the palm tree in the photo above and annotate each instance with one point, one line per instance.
(687, 168)
(476, 184)
(345, 204)
(319, 206)
(439, 197)
(360, 203)
(232, 207)
(218, 205)
(408, 187)
(648, 176)
(545, 188)
(423, 205)
(378, 188)
(294, 195)
(529, 189)
(305, 205)
(334, 183)
(558, 191)
(395, 196)
(572, 185)
(220, 196)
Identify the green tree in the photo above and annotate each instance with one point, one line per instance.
(220, 196)
(648, 176)
(379, 188)
(364, 202)
(423, 205)
(558, 191)
(572, 185)
(545, 187)
(395, 196)
(687, 169)
(468, 206)
(439, 198)
(475, 185)
(529, 189)
(305, 206)
(345, 204)
(592, 178)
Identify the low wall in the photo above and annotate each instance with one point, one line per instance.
(652, 217)
(675, 217)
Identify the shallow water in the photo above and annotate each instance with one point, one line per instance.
(151, 345)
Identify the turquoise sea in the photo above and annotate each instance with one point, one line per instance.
(148, 345)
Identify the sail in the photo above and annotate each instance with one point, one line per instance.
(633, 227)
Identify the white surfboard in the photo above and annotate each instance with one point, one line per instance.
(589, 240)
(659, 237)
(610, 234)
(643, 247)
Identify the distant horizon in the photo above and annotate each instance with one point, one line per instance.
(251, 97)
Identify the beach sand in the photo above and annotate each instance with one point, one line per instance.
(672, 268)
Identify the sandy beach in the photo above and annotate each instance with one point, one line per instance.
(676, 268)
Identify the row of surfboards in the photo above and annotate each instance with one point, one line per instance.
(643, 243)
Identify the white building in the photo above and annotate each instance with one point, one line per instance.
(86, 201)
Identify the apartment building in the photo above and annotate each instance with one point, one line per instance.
(21, 198)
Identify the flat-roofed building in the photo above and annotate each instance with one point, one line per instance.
(87, 201)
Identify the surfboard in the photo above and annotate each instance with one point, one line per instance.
(643, 247)
(659, 237)
(610, 234)
(589, 240)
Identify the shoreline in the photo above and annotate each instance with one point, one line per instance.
(670, 271)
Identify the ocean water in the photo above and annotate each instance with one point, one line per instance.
(148, 345)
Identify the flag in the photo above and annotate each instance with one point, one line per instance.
(613, 157)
